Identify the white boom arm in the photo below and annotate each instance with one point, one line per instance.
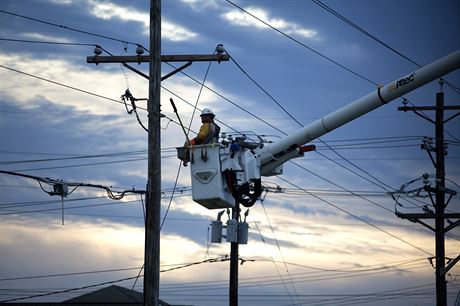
(274, 155)
(227, 172)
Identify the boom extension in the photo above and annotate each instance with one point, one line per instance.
(270, 156)
(232, 171)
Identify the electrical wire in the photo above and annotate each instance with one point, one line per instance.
(118, 195)
(61, 84)
(327, 145)
(224, 98)
(383, 186)
(356, 217)
(302, 44)
(282, 255)
(188, 131)
(68, 28)
(290, 37)
(211, 260)
(360, 29)
(47, 42)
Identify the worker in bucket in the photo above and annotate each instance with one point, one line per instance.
(209, 132)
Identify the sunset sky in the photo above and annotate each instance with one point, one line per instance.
(329, 237)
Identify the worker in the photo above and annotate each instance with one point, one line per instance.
(209, 132)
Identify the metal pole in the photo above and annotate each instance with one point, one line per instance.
(233, 293)
(153, 201)
(441, 291)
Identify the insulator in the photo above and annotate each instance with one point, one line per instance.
(220, 49)
(139, 50)
(97, 50)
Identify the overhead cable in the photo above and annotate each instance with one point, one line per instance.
(302, 44)
(66, 27)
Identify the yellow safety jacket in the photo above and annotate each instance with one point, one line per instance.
(208, 132)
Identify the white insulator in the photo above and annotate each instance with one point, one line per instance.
(220, 48)
(139, 50)
(97, 50)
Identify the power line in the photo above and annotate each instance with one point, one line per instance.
(281, 253)
(61, 84)
(360, 29)
(65, 85)
(114, 195)
(66, 27)
(357, 217)
(316, 52)
(47, 42)
(302, 44)
(211, 260)
(65, 274)
(354, 25)
(327, 145)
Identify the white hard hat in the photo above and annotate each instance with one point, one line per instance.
(207, 112)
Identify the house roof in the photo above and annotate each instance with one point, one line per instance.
(108, 296)
(112, 295)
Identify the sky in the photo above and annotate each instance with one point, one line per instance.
(330, 237)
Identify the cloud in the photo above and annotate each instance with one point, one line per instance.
(169, 30)
(239, 18)
(41, 37)
(28, 93)
(201, 5)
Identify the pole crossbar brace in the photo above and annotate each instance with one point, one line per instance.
(450, 265)
(163, 77)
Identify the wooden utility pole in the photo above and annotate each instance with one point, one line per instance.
(153, 201)
(233, 288)
(440, 191)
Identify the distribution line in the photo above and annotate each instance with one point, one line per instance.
(281, 253)
(67, 28)
(211, 260)
(383, 186)
(302, 44)
(75, 88)
(187, 136)
(327, 145)
(309, 48)
(61, 84)
(296, 121)
(357, 217)
(263, 281)
(373, 37)
(58, 83)
(47, 42)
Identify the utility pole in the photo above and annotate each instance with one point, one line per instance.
(153, 198)
(233, 292)
(440, 191)
(153, 201)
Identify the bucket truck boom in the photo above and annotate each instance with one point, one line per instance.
(230, 171)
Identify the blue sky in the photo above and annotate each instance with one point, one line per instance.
(305, 250)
